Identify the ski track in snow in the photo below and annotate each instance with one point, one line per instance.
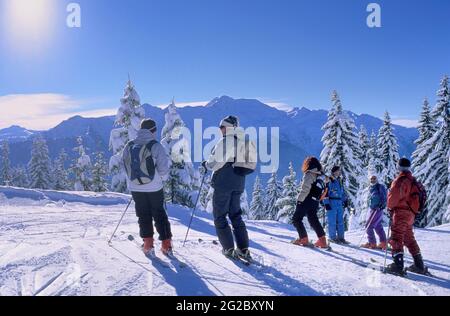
(51, 247)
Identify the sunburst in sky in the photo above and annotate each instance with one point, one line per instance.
(27, 24)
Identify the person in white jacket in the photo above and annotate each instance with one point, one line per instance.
(228, 187)
(149, 197)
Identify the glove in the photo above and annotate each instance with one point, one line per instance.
(328, 207)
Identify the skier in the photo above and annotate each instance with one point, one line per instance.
(377, 203)
(147, 166)
(403, 202)
(335, 201)
(228, 187)
(311, 189)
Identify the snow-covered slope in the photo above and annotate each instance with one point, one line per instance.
(55, 243)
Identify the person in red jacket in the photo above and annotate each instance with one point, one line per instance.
(402, 204)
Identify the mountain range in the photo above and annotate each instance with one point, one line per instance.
(300, 129)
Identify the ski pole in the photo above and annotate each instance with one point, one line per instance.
(386, 251)
(193, 210)
(120, 221)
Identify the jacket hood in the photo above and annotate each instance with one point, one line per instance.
(144, 136)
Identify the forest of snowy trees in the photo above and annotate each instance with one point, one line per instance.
(359, 152)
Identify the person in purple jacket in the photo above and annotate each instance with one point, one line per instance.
(377, 203)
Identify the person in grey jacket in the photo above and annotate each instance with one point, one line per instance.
(228, 188)
(311, 190)
(149, 197)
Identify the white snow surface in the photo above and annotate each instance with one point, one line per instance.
(55, 243)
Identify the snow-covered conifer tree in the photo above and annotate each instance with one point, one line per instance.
(435, 170)
(288, 200)
(128, 120)
(5, 166)
(257, 209)
(183, 177)
(62, 182)
(273, 194)
(39, 166)
(364, 146)
(426, 128)
(388, 150)
(341, 147)
(99, 173)
(19, 177)
(82, 169)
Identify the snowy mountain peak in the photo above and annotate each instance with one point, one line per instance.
(220, 100)
(15, 132)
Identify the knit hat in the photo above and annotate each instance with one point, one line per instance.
(404, 164)
(230, 121)
(148, 124)
(335, 168)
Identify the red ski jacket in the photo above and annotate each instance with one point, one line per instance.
(400, 195)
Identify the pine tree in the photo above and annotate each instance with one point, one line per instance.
(341, 147)
(288, 200)
(82, 168)
(388, 150)
(19, 177)
(257, 209)
(435, 170)
(128, 120)
(62, 182)
(447, 213)
(99, 173)
(39, 165)
(273, 194)
(364, 146)
(427, 127)
(183, 177)
(5, 166)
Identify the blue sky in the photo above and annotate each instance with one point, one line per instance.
(284, 52)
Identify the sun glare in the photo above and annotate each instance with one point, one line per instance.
(27, 22)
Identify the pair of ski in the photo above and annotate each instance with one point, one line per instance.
(157, 260)
(241, 260)
(376, 266)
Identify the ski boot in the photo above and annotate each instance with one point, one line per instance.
(381, 246)
(334, 241)
(243, 254)
(397, 267)
(369, 246)
(229, 253)
(301, 242)
(342, 241)
(166, 247)
(148, 247)
(418, 266)
(322, 243)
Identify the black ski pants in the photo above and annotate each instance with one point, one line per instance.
(149, 208)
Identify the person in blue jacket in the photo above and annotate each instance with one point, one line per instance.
(335, 201)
